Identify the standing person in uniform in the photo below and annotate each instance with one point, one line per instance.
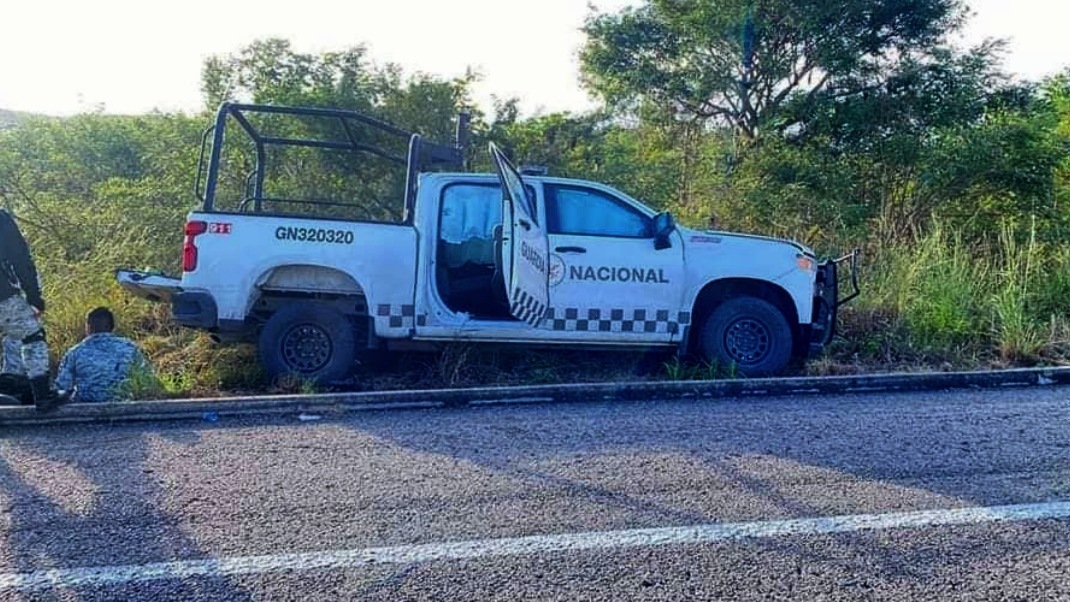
(94, 370)
(12, 360)
(13, 381)
(20, 307)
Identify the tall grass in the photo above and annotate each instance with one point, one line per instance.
(939, 297)
(1017, 332)
(184, 362)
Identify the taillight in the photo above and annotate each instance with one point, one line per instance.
(189, 249)
(196, 228)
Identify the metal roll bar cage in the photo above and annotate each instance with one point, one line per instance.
(422, 155)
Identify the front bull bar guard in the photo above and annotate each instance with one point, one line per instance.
(855, 290)
(830, 295)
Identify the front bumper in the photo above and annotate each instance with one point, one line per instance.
(827, 299)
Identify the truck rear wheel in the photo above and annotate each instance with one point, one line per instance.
(749, 333)
(310, 341)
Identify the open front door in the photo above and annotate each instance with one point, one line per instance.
(525, 250)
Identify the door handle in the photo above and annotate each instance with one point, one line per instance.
(570, 250)
(524, 224)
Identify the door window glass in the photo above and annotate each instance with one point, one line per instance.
(470, 211)
(588, 212)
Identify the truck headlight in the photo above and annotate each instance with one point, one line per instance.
(805, 263)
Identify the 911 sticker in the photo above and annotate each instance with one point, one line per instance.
(338, 237)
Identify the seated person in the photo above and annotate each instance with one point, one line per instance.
(96, 369)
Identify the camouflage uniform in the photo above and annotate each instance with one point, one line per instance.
(97, 367)
(20, 293)
(20, 304)
(18, 321)
(13, 381)
(12, 359)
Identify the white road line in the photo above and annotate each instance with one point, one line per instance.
(538, 544)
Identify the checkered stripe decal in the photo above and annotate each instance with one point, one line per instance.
(616, 320)
(527, 308)
(400, 316)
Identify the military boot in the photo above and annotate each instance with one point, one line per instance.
(18, 387)
(9, 391)
(44, 397)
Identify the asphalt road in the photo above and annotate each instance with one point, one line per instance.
(543, 502)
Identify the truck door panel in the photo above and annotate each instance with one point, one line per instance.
(606, 277)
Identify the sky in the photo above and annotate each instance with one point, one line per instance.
(130, 56)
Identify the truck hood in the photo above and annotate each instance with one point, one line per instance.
(702, 238)
(714, 255)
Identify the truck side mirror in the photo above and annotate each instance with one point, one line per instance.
(664, 224)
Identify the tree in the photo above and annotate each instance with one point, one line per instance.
(90, 182)
(271, 72)
(742, 63)
(940, 90)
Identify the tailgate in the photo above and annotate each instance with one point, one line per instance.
(154, 287)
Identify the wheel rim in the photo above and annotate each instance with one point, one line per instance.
(306, 348)
(747, 341)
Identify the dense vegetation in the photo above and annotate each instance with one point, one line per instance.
(839, 123)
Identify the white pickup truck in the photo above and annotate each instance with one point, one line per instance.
(505, 258)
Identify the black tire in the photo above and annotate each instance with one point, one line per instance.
(749, 333)
(310, 341)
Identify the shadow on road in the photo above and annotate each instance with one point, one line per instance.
(398, 477)
(70, 504)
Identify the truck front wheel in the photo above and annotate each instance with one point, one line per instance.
(309, 341)
(748, 333)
